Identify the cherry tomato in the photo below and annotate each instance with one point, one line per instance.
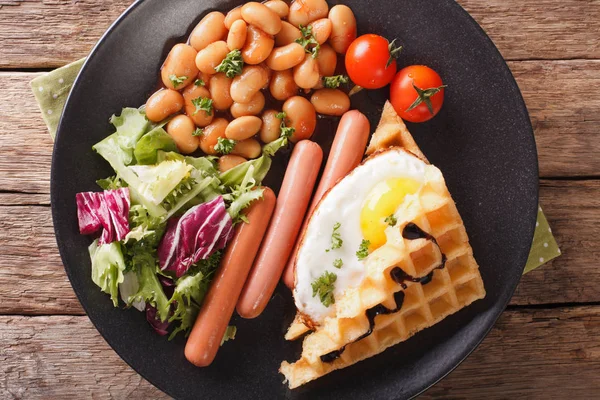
(370, 61)
(417, 93)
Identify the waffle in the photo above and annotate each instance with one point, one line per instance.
(439, 289)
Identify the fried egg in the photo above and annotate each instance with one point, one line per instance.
(352, 220)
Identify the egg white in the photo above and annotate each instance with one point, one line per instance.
(343, 204)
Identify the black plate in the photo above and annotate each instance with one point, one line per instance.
(482, 141)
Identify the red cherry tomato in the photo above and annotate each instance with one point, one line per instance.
(417, 93)
(370, 61)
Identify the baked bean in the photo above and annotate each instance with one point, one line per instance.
(306, 74)
(180, 64)
(286, 57)
(204, 78)
(220, 86)
(330, 102)
(211, 135)
(211, 56)
(327, 60)
(282, 85)
(249, 148)
(321, 29)
(258, 46)
(201, 118)
(343, 28)
(210, 29)
(288, 34)
(279, 7)
(181, 129)
(262, 17)
(229, 161)
(271, 127)
(303, 12)
(300, 115)
(243, 127)
(251, 80)
(237, 35)
(232, 16)
(253, 107)
(163, 103)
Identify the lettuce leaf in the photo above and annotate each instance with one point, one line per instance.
(229, 334)
(147, 147)
(157, 181)
(129, 287)
(261, 165)
(151, 290)
(108, 266)
(243, 194)
(111, 183)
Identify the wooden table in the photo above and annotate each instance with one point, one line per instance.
(546, 344)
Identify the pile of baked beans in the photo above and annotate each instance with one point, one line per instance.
(283, 54)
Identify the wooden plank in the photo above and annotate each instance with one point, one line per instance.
(572, 210)
(30, 259)
(529, 354)
(565, 123)
(532, 354)
(24, 140)
(36, 34)
(564, 112)
(32, 277)
(64, 358)
(540, 29)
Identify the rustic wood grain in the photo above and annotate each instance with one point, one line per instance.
(532, 354)
(36, 34)
(572, 208)
(64, 358)
(25, 145)
(32, 279)
(565, 113)
(526, 353)
(565, 123)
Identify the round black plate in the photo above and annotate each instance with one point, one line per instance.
(482, 141)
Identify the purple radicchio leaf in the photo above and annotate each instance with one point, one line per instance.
(201, 231)
(159, 326)
(107, 211)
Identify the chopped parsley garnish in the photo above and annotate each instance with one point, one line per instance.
(199, 82)
(203, 104)
(286, 131)
(338, 263)
(310, 44)
(391, 220)
(231, 65)
(336, 239)
(334, 82)
(224, 146)
(198, 132)
(323, 286)
(363, 250)
(177, 80)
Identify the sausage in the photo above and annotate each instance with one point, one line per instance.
(346, 153)
(294, 196)
(205, 339)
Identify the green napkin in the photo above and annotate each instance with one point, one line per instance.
(51, 91)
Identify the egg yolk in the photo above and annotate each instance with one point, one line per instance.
(381, 202)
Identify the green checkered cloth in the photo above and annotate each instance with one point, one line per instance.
(51, 91)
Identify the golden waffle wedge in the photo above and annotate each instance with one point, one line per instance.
(343, 340)
(391, 131)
